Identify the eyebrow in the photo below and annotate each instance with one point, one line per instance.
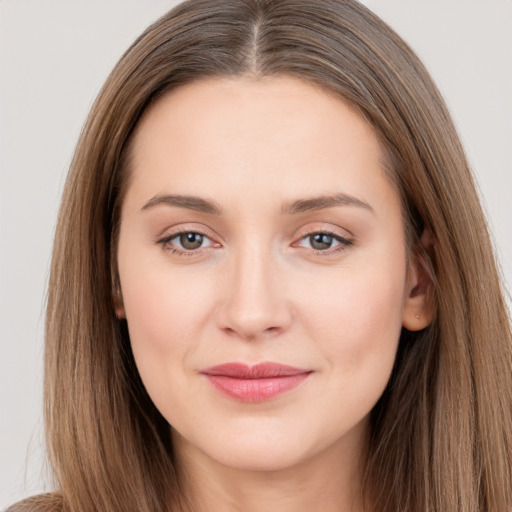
(299, 206)
(189, 202)
(323, 202)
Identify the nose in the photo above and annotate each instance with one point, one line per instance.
(255, 305)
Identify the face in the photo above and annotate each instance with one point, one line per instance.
(263, 270)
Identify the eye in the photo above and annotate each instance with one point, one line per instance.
(186, 242)
(321, 241)
(190, 241)
(324, 242)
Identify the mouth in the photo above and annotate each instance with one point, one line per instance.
(257, 383)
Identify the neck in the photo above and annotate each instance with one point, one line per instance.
(326, 482)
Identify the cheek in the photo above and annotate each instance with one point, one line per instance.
(165, 312)
(358, 321)
(358, 327)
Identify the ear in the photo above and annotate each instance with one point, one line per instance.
(118, 304)
(418, 308)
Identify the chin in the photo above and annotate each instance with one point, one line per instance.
(265, 451)
(261, 459)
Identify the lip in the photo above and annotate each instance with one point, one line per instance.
(257, 383)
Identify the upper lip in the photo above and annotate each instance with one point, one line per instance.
(259, 371)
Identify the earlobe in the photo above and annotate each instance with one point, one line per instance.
(119, 305)
(418, 307)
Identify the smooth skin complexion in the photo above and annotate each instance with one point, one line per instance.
(259, 226)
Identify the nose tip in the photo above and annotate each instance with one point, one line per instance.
(250, 323)
(255, 306)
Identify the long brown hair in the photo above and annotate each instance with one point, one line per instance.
(441, 435)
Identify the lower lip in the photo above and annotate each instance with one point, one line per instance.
(256, 390)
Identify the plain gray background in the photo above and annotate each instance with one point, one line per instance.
(54, 56)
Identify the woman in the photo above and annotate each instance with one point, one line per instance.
(272, 285)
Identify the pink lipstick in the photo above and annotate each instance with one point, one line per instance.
(254, 383)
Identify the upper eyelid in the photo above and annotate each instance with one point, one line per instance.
(173, 231)
(337, 232)
(342, 240)
(330, 232)
(176, 234)
(336, 236)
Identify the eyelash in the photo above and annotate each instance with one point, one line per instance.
(343, 243)
(165, 242)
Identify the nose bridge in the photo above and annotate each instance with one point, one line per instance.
(255, 304)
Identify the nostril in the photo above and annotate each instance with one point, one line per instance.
(252, 335)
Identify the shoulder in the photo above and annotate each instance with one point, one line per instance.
(49, 502)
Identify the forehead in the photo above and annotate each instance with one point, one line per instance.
(275, 134)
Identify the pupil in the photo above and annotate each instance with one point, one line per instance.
(320, 241)
(191, 240)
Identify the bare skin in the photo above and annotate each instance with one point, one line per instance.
(259, 226)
